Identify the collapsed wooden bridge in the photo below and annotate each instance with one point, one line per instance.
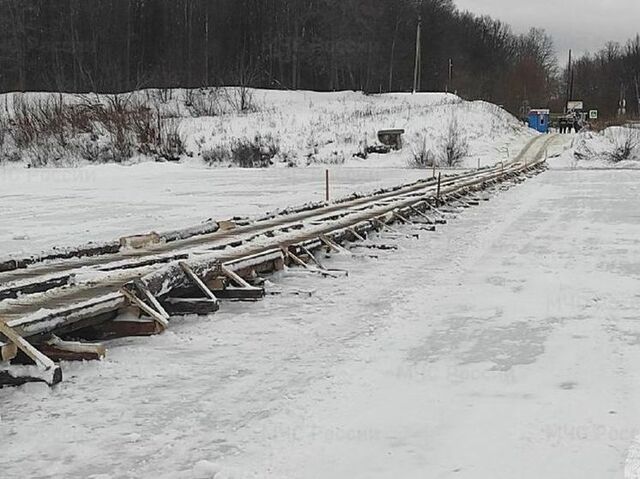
(63, 305)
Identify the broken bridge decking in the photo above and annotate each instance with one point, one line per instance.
(84, 298)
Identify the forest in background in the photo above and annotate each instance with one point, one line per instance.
(113, 46)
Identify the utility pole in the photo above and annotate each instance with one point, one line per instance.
(569, 82)
(637, 95)
(416, 72)
(449, 83)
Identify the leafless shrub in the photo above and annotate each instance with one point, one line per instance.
(50, 131)
(45, 153)
(625, 145)
(454, 146)
(170, 145)
(255, 153)
(242, 99)
(217, 155)
(204, 102)
(4, 132)
(422, 156)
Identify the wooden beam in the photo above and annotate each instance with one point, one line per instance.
(422, 215)
(320, 265)
(127, 328)
(197, 281)
(197, 306)
(42, 361)
(60, 350)
(159, 318)
(402, 218)
(333, 245)
(19, 289)
(358, 236)
(151, 298)
(242, 294)
(235, 278)
(301, 263)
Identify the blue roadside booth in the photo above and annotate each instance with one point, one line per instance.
(539, 120)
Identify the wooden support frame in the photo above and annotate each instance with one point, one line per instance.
(333, 245)
(155, 315)
(42, 361)
(403, 218)
(297, 260)
(197, 281)
(385, 226)
(358, 236)
(319, 264)
(233, 276)
(394, 231)
(422, 215)
(242, 291)
(142, 288)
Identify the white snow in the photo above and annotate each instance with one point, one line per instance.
(504, 345)
(63, 207)
(69, 207)
(312, 127)
(594, 149)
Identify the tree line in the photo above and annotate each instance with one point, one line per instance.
(609, 79)
(120, 45)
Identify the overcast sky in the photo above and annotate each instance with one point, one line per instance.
(583, 25)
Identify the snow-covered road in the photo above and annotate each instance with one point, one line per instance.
(506, 345)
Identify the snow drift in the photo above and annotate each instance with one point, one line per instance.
(246, 127)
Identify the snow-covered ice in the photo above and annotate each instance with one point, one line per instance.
(504, 345)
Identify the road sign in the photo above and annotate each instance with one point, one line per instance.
(593, 114)
(575, 105)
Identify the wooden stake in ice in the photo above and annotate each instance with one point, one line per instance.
(326, 185)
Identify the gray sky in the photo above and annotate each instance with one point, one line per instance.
(583, 25)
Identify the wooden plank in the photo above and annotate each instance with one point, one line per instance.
(235, 278)
(151, 298)
(358, 236)
(124, 328)
(197, 306)
(197, 281)
(145, 307)
(320, 265)
(42, 286)
(60, 350)
(299, 262)
(294, 258)
(313, 259)
(333, 245)
(242, 294)
(402, 218)
(422, 215)
(42, 361)
(385, 226)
